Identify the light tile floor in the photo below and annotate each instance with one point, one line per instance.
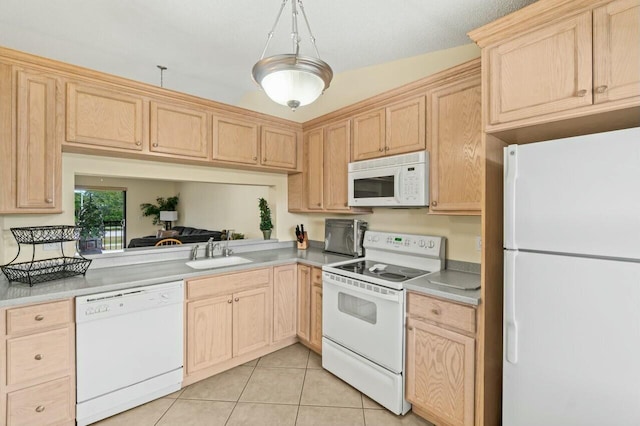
(287, 387)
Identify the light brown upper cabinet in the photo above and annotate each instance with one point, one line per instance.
(30, 154)
(455, 146)
(395, 129)
(616, 51)
(235, 140)
(102, 117)
(587, 63)
(313, 189)
(337, 144)
(278, 148)
(178, 130)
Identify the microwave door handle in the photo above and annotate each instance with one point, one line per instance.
(397, 193)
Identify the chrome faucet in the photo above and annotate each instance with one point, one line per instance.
(226, 251)
(211, 248)
(194, 253)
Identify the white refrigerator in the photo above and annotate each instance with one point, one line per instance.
(572, 281)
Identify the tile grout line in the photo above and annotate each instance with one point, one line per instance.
(166, 411)
(243, 389)
(304, 379)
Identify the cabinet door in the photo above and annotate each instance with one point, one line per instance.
(178, 130)
(285, 291)
(440, 372)
(616, 61)
(455, 146)
(251, 320)
(369, 135)
(50, 403)
(315, 335)
(304, 302)
(337, 149)
(541, 72)
(314, 172)
(406, 126)
(278, 148)
(209, 332)
(235, 140)
(102, 117)
(38, 153)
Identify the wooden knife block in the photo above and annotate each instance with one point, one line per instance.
(305, 242)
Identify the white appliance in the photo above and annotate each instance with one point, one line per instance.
(396, 181)
(363, 313)
(572, 281)
(129, 348)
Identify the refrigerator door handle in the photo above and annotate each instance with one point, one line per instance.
(510, 322)
(510, 178)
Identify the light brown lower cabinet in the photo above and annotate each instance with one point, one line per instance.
(285, 293)
(230, 316)
(37, 385)
(440, 364)
(310, 307)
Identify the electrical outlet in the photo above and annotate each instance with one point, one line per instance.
(478, 243)
(51, 246)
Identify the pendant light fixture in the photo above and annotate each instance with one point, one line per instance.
(292, 79)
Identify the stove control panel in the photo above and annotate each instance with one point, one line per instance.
(407, 243)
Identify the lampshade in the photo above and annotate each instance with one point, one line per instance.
(292, 79)
(168, 216)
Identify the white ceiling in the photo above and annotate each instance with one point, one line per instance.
(209, 46)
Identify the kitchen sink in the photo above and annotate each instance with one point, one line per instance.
(217, 262)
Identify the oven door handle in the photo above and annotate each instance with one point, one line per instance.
(354, 289)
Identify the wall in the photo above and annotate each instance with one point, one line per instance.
(220, 206)
(138, 191)
(355, 85)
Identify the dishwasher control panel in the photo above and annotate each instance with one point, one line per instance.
(121, 302)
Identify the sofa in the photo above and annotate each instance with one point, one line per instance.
(185, 234)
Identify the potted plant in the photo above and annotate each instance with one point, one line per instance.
(153, 210)
(265, 218)
(91, 225)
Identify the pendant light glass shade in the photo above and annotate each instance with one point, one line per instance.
(292, 79)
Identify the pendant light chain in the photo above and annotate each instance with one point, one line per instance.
(275, 24)
(313, 39)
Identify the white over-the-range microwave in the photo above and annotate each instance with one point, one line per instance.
(396, 181)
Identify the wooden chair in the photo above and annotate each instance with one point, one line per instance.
(168, 242)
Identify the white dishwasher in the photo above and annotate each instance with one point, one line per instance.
(129, 348)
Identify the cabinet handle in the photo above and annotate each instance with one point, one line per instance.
(155, 145)
(264, 160)
(386, 148)
(409, 328)
(138, 143)
(434, 203)
(318, 204)
(39, 318)
(236, 299)
(255, 158)
(229, 301)
(380, 149)
(38, 357)
(39, 408)
(581, 93)
(601, 89)
(49, 200)
(435, 311)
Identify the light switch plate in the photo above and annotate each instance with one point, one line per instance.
(478, 243)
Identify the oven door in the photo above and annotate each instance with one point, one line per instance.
(377, 187)
(365, 318)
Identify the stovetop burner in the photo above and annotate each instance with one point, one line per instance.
(382, 270)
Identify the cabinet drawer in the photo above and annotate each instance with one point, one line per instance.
(38, 317)
(316, 276)
(45, 404)
(442, 312)
(227, 283)
(38, 355)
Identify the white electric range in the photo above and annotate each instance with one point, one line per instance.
(363, 312)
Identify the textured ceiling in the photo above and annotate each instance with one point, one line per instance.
(209, 46)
